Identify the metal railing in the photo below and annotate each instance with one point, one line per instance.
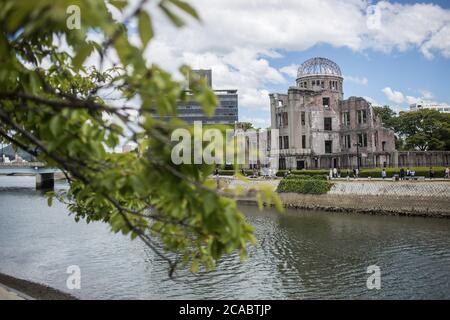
(22, 164)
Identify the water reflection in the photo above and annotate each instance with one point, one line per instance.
(300, 255)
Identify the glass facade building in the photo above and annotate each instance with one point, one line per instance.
(226, 111)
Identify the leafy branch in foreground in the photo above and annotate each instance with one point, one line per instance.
(59, 110)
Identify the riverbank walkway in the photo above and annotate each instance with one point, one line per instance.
(6, 293)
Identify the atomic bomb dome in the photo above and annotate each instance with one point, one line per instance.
(319, 129)
(319, 66)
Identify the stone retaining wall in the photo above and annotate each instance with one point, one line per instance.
(415, 198)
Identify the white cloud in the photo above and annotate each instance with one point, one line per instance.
(255, 99)
(412, 100)
(290, 70)
(358, 80)
(372, 101)
(394, 96)
(258, 122)
(402, 27)
(439, 42)
(426, 94)
(399, 98)
(236, 37)
(265, 26)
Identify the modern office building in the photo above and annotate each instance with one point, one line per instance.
(226, 111)
(433, 106)
(319, 129)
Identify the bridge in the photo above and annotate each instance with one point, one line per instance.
(45, 176)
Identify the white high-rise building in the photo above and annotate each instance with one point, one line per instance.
(433, 106)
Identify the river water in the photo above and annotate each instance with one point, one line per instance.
(301, 255)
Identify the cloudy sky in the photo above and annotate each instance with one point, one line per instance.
(391, 52)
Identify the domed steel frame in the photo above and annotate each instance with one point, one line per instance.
(319, 66)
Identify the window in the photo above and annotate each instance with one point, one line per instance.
(375, 140)
(362, 116)
(282, 164)
(346, 118)
(333, 85)
(282, 119)
(327, 124)
(326, 102)
(286, 142)
(362, 140)
(285, 119)
(300, 164)
(303, 118)
(383, 145)
(303, 141)
(347, 141)
(280, 103)
(280, 142)
(328, 146)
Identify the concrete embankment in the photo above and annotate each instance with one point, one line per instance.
(17, 289)
(409, 198)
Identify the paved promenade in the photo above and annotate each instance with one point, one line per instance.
(10, 294)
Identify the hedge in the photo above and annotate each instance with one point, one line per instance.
(439, 172)
(305, 177)
(282, 173)
(304, 186)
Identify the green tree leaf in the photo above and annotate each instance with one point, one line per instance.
(145, 27)
(186, 7)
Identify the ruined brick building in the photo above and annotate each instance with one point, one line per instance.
(319, 129)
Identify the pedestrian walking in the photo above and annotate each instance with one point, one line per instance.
(447, 173)
(431, 173)
(383, 174)
(402, 174)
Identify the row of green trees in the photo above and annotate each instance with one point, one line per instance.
(423, 130)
